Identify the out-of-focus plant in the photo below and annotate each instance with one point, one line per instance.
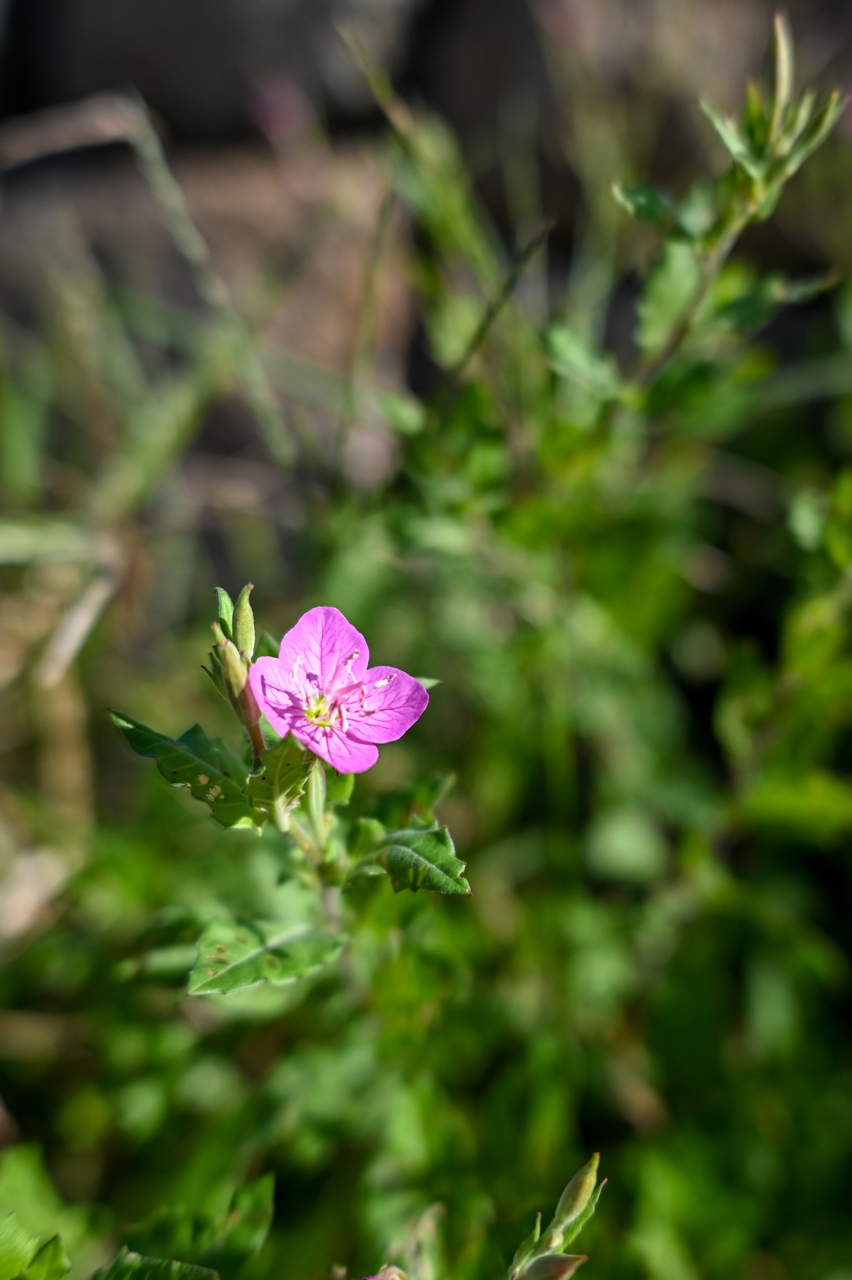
(629, 570)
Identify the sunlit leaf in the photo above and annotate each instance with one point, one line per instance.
(206, 765)
(51, 1262)
(133, 1266)
(423, 860)
(232, 957)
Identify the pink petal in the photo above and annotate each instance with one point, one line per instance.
(389, 705)
(343, 753)
(275, 696)
(326, 649)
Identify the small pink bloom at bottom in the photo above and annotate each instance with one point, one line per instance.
(320, 690)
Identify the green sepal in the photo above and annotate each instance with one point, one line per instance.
(553, 1266)
(232, 957)
(226, 612)
(134, 1266)
(526, 1250)
(206, 765)
(51, 1262)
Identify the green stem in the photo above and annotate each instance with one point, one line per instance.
(713, 264)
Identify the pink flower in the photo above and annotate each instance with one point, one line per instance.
(319, 689)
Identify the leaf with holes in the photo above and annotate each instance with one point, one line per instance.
(232, 957)
(278, 789)
(206, 765)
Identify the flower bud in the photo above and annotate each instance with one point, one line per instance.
(243, 624)
(553, 1266)
(234, 676)
(576, 1195)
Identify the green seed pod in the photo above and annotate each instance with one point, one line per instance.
(244, 633)
(226, 611)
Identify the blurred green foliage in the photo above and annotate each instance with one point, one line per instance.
(630, 569)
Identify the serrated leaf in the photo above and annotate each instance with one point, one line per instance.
(734, 142)
(232, 957)
(17, 1247)
(648, 204)
(277, 790)
(135, 1266)
(51, 1262)
(416, 859)
(206, 765)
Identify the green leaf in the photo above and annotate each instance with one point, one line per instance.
(266, 647)
(571, 358)
(206, 765)
(417, 859)
(232, 957)
(428, 682)
(797, 125)
(17, 1247)
(784, 59)
(277, 790)
(226, 611)
(402, 411)
(50, 1263)
(245, 1228)
(133, 1266)
(223, 1243)
(735, 144)
(27, 1191)
(668, 291)
(339, 788)
(648, 204)
(814, 136)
